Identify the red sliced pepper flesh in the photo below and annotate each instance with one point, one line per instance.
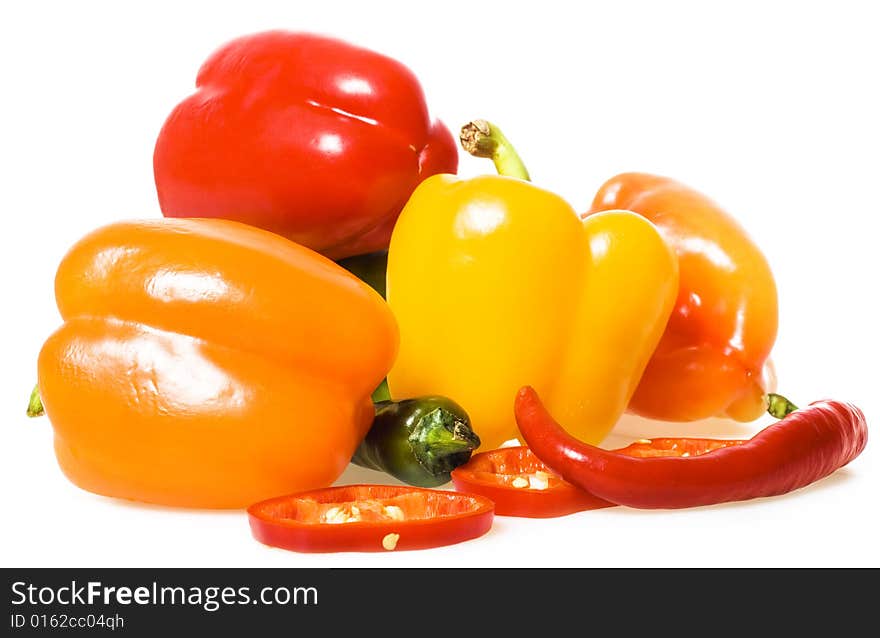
(492, 474)
(803, 447)
(370, 518)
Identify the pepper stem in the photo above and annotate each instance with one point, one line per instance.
(381, 393)
(483, 139)
(35, 404)
(778, 406)
(441, 442)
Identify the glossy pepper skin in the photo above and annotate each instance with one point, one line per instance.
(494, 281)
(206, 363)
(307, 136)
(805, 446)
(712, 357)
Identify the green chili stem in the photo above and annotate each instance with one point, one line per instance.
(483, 139)
(778, 406)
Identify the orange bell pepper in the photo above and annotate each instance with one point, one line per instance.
(712, 359)
(205, 363)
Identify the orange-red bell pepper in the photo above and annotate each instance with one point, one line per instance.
(206, 363)
(712, 356)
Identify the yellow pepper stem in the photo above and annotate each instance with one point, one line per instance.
(35, 404)
(483, 139)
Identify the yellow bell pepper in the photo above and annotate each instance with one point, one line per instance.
(496, 283)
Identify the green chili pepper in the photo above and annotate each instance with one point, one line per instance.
(418, 441)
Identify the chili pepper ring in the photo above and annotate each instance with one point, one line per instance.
(805, 446)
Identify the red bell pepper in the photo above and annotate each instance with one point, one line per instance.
(521, 485)
(370, 518)
(805, 446)
(307, 136)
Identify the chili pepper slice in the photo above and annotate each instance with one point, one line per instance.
(369, 518)
(805, 446)
(521, 485)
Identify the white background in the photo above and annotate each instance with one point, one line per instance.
(771, 108)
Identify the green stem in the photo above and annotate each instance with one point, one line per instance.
(778, 406)
(35, 404)
(381, 393)
(483, 139)
(441, 441)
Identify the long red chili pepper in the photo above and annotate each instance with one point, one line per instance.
(803, 447)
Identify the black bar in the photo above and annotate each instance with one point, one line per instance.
(414, 602)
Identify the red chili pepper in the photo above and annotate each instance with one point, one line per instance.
(369, 518)
(803, 447)
(307, 136)
(521, 485)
